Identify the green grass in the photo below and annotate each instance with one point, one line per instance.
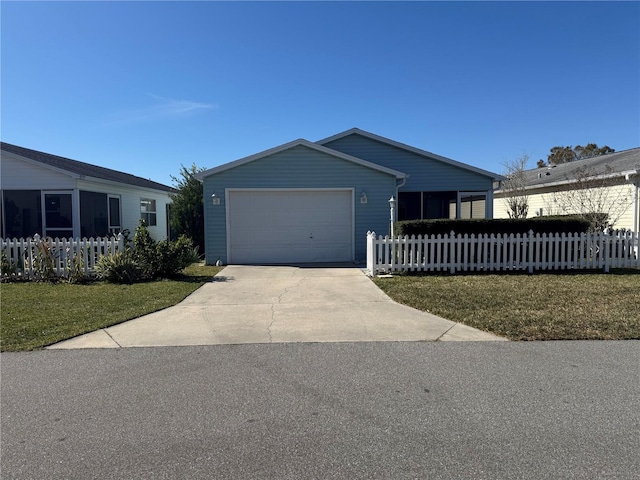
(576, 306)
(34, 315)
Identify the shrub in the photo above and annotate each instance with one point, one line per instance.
(173, 257)
(161, 259)
(119, 267)
(6, 266)
(75, 268)
(44, 261)
(144, 252)
(549, 224)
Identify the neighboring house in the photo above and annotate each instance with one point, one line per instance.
(59, 197)
(610, 183)
(314, 202)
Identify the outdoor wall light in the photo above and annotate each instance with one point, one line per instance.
(215, 199)
(363, 197)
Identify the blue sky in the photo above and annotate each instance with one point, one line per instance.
(143, 87)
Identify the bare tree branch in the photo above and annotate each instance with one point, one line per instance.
(514, 187)
(596, 198)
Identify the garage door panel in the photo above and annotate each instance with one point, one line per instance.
(283, 226)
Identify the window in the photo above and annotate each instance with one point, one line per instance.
(423, 205)
(148, 211)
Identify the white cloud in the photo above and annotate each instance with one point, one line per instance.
(161, 108)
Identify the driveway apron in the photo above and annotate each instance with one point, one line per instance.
(273, 304)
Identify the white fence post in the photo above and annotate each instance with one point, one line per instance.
(371, 248)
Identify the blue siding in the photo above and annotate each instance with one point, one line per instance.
(300, 167)
(425, 174)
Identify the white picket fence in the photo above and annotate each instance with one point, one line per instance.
(24, 255)
(526, 252)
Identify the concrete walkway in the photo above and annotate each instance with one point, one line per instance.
(263, 304)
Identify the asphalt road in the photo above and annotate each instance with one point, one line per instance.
(349, 411)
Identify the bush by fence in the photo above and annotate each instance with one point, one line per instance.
(496, 226)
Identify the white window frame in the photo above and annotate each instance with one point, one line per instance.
(114, 229)
(149, 201)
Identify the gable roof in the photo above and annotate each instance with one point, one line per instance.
(299, 142)
(81, 169)
(617, 164)
(409, 148)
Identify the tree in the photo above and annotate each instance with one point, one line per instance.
(568, 154)
(594, 196)
(187, 207)
(516, 195)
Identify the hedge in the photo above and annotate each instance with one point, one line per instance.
(550, 224)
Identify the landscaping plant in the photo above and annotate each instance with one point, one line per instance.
(148, 259)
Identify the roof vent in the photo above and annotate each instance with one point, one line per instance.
(539, 175)
(548, 173)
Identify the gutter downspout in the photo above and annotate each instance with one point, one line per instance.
(399, 185)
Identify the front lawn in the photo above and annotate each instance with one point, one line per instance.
(565, 306)
(38, 314)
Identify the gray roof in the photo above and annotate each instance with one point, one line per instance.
(83, 169)
(613, 164)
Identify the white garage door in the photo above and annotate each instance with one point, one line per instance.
(290, 226)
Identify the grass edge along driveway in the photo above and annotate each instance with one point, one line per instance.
(560, 306)
(34, 315)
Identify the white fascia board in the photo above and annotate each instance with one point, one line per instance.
(409, 148)
(287, 146)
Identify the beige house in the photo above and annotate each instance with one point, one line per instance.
(608, 184)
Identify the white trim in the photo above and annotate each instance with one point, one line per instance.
(300, 142)
(409, 148)
(227, 191)
(119, 197)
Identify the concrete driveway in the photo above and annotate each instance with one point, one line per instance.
(271, 304)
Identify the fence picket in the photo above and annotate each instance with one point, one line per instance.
(450, 252)
(24, 253)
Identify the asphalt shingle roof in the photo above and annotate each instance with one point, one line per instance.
(617, 162)
(82, 168)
